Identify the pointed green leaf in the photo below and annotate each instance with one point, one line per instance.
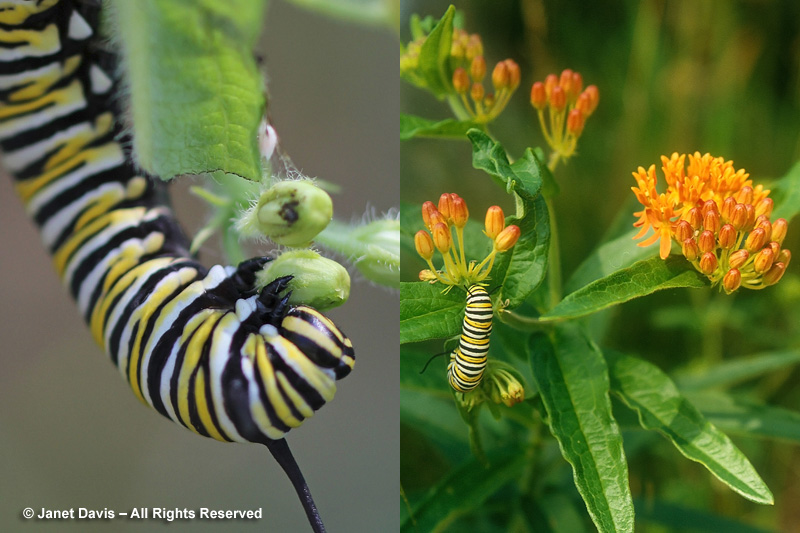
(607, 258)
(412, 126)
(196, 93)
(640, 279)
(427, 313)
(732, 372)
(786, 195)
(746, 417)
(523, 177)
(433, 70)
(655, 398)
(461, 492)
(573, 383)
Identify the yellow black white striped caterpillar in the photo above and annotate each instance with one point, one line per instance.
(468, 360)
(201, 346)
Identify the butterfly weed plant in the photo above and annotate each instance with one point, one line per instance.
(550, 380)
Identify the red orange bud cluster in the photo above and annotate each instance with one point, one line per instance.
(568, 105)
(721, 221)
(450, 215)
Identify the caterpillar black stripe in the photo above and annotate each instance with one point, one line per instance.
(468, 360)
(201, 346)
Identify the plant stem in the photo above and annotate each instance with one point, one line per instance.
(554, 257)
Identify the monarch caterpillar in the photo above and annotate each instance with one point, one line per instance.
(468, 360)
(176, 330)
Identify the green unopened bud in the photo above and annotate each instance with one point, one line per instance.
(380, 258)
(292, 213)
(318, 282)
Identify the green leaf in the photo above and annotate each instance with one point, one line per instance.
(573, 383)
(461, 492)
(732, 372)
(367, 12)
(427, 313)
(433, 71)
(412, 126)
(640, 279)
(786, 195)
(746, 417)
(655, 398)
(196, 94)
(607, 258)
(522, 269)
(554, 512)
(523, 177)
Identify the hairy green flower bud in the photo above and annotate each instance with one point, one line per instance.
(292, 213)
(317, 281)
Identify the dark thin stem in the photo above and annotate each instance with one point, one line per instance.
(281, 452)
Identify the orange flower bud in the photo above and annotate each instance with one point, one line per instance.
(442, 237)
(477, 92)
(558, 99)
(727, 236)
(732, 280)
(751, 217)
(695, 217)
(500, 76)
(763, 223)
(445, 206)
(709, 206)
(738, 258)
(507, 238)
(474, 46)
(488, 101)
(755, 240)
(745, 195)
(785, 257)
(575, 122)
(763, 260)
(583, 104)
(690, 249)
(565, 82)
(459, 211)
(594, 97)
(774, 274)
(428, 213)
(460, 80)
(538, 95)
(779, 228)
(577, 83)
(706, 241)
(477, 69)
(776, 248)
(424, 244)
(683, 230)
(513, 74)
(708, 263)
(495, 221)
(550, 82)
(711, 221)
(738, 216)
(764, 207)
(727, 206)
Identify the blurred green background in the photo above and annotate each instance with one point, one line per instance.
(71, 432)
(674, 76)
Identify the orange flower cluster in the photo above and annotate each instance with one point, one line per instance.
(568, 106)
(452, 214)
(469, 70)
(720, 220)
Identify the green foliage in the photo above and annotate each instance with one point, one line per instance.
(196, 94)
(690, 366)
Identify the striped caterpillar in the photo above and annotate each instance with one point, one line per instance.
(468, 360)
(200, 346)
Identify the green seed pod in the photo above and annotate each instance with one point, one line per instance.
(292, 213)
(317, 281)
